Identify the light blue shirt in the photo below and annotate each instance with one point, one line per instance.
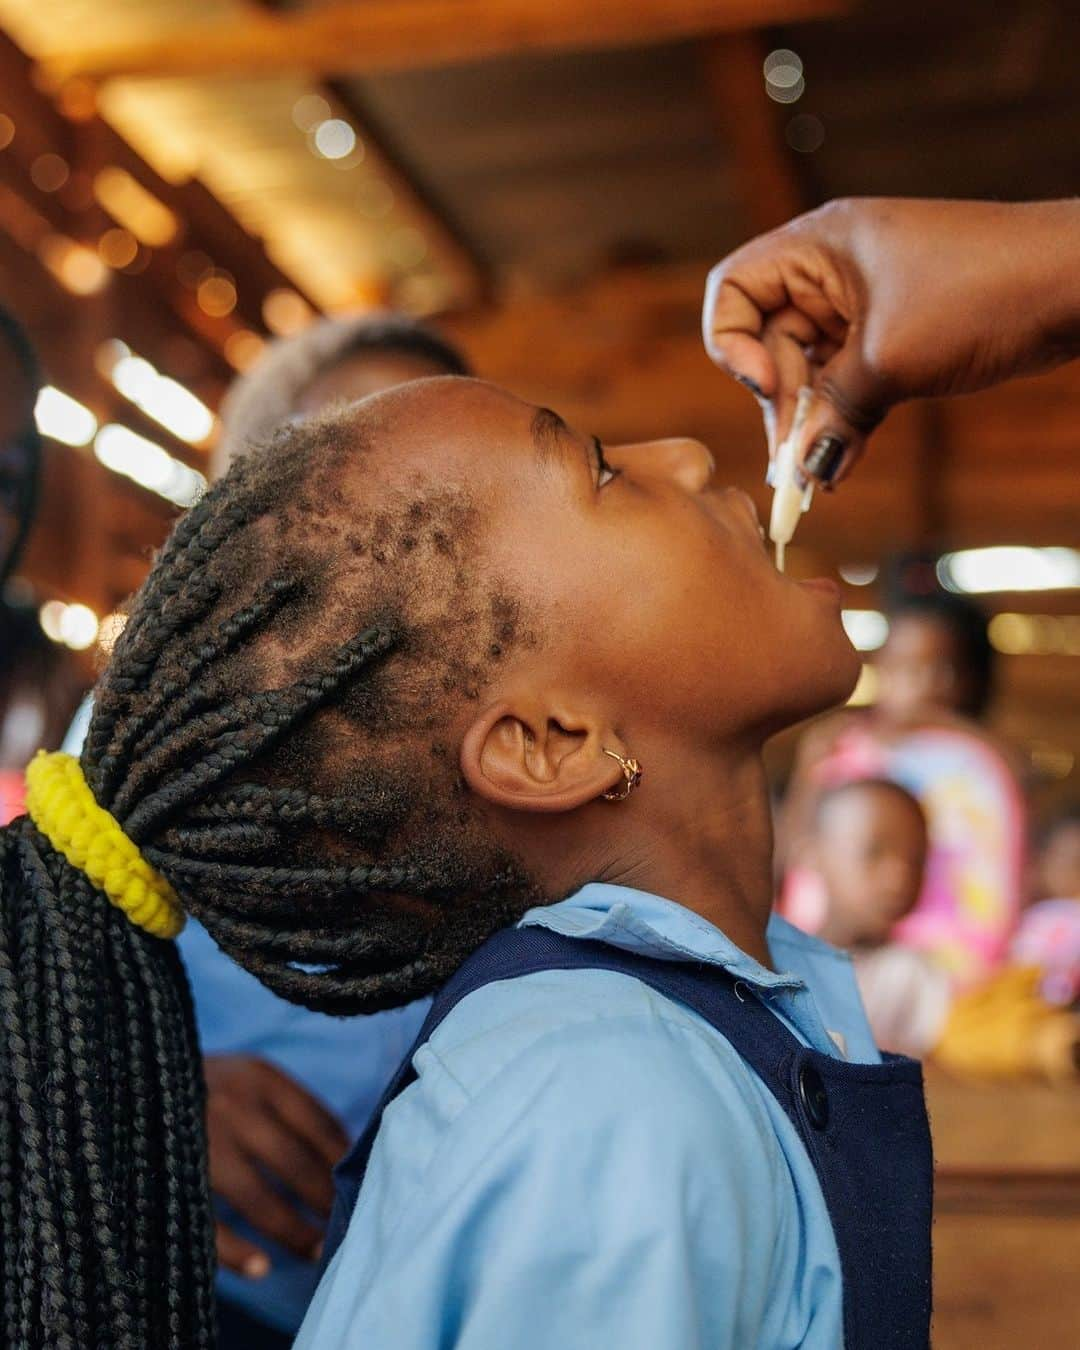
(345, 1063)
(583, 1164)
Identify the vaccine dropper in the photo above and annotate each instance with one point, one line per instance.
(789, 499)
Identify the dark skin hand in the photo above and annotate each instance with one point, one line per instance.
(873, 301)
(266, 1131)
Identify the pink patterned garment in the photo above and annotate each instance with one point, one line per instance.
(1049, 938)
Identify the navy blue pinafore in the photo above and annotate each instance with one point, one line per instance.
(864, 1126)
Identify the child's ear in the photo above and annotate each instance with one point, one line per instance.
(537, 756)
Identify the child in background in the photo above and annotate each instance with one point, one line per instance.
(1049, 933)
(935, 676)
(868, 846)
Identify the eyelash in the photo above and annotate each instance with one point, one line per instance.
(602, 466)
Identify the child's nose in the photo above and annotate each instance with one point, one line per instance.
(682, 460)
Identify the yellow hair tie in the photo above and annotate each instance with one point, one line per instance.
(61, 805)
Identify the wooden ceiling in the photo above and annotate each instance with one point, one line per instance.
(554, 178)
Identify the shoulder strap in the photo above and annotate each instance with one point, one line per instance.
(728, 1005)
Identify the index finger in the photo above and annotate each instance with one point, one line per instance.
(731, 325)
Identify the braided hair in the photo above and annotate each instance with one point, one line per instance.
(282, 764)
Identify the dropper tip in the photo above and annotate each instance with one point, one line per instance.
(779, 555)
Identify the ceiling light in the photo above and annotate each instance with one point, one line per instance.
(63, 418)
(163, 399)
(334, 138)
(1010, 568)
(867, 628)
(147, 464)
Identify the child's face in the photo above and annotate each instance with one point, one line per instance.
(919, 670)
(661, 613)
(1059, 863)
(870, 850)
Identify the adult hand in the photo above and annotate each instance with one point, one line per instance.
(872, 301)
(267, 1132)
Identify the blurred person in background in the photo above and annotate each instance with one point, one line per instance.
(332, 361)
(935, 678)
(280, 1111)
(868, 845)
(1049, 932)
(937, 661)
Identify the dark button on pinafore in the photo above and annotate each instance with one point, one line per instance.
(864, 1126)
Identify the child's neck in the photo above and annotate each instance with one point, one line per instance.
(709, 847)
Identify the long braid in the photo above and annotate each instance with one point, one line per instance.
(271, 733)
(84, 1130)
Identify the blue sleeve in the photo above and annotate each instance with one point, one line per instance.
(614, 1188)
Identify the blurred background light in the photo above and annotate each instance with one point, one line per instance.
(805, 133)
(118, 247)
(1035, 634)
(63, 418)
(334, 138)
(309, 111)
(1010, 568)
(859, 574)
(75, 626)
(49, 616)
(147, 464)
(49, 173)
(865, 692)
(162, 398)
(285, 312)
(77, 268)
(243, 348)
(78, 627)
(784, 81)
(216, 295)
(867, 628)
(135, 208)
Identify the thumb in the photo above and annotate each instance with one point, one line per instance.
(848, 404)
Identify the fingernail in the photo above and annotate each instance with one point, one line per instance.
(257, 1267)
(824, 458)
(750, 384)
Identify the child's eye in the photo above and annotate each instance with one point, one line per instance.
(604, 472)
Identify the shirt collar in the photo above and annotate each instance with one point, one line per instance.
(649, 925)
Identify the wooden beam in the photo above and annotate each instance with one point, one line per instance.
(345, 38)
(468, 272)
(766, 180)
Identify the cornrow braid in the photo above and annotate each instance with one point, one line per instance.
(283, 763)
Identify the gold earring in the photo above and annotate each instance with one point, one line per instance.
(632, 773)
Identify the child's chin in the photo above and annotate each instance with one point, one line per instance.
(835, 680)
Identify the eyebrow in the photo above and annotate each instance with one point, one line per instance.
(548, 429)
(550, 434)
